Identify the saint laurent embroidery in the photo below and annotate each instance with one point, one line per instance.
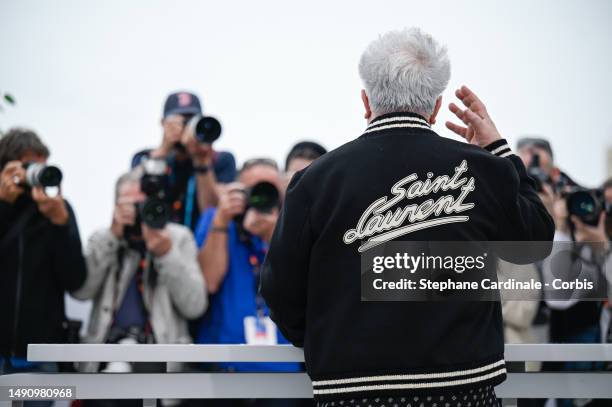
(380, 223)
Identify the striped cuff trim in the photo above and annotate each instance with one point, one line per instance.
(499, 148)
(409, 381)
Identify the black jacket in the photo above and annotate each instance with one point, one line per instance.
(37, 267)
(311, 276)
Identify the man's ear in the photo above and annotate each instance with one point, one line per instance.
(366, 105)
(432, 118)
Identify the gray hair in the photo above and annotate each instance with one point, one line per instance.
(404, 71)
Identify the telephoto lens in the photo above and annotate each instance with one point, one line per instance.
(206, 129)
(42, 175)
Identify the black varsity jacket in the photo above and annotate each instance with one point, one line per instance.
(311, 276)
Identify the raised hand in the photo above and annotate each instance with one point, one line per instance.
(480, 129)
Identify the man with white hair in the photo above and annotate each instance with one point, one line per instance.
(399, 180)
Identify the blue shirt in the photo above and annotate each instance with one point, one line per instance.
(236, 298)
(131, 313)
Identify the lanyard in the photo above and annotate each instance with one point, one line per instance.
(189, 198)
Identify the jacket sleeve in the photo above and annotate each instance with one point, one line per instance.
(68, 260)
(180, 272)
(101, 259)
(284, 275)
(525, 218)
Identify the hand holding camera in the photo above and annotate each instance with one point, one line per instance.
(10, 180)
(200, 153)
(158, 241)
(52, 207)
(16, 177)
(232, 202)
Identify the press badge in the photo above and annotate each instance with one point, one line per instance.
(259, 331)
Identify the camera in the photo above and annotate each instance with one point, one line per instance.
(205, 128)
(263, 197)
(587, 205)
(42, 175)
(153, 211)
(539, 176)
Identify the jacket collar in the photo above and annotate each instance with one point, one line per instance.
(397, 120)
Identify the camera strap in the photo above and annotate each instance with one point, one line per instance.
(18, 226)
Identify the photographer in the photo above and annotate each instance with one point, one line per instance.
(143, 275)
(40, 251)
(234, 239)
(194, 166)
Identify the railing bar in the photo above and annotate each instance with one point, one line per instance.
(278, 353)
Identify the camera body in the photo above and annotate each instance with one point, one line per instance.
(587, 205)
(42, 175)
(154, 210)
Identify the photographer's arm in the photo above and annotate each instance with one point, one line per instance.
(284, 275)
(68, 259)
(213, 230)
(213, 257)
(179, 271)
(206, 186)
(207, 183)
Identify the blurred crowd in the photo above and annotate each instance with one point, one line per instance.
(179, 261)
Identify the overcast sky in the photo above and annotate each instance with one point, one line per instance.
(91, 77)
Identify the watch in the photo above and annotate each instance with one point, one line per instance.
(201, 169)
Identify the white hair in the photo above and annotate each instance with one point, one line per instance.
(404, 71)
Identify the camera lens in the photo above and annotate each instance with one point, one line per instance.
(155, 213)
(42, 175)
(207, 129)
(585, 206)
(50, 176)
(263, 197)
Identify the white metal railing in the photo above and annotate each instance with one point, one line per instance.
(151, 386)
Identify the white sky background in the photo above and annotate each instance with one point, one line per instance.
(91, 78)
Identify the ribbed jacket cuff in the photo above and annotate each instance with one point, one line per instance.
(500, 148)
